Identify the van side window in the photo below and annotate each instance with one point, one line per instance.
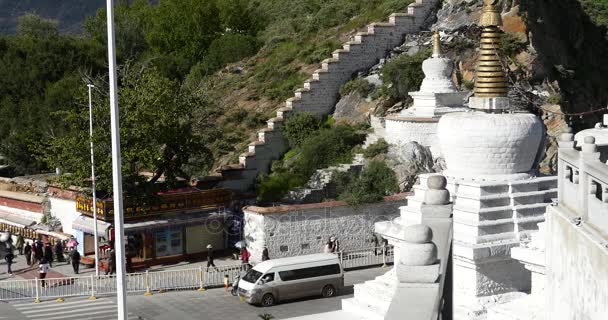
(269, 277)
(312, 272)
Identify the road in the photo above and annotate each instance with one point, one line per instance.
(180, 305)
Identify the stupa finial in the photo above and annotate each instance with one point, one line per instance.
(436, 44)
(491, 80)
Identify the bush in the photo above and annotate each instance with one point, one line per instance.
(468, 84)
(377, 148)
(362, 86)
(275, 186)
(227, 49)
(376, 181)
(329, 147)
(299, 127)
(403, 74)
(511, 44)
(554, 98)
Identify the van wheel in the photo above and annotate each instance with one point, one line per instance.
(328, 291)
(268, 300)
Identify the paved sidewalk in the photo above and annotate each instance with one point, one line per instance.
(61, 269)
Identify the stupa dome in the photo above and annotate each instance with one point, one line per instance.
(437, 75)
(489, 146)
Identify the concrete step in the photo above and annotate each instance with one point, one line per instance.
(361, 310)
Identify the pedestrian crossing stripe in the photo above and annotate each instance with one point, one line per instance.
(101, 309)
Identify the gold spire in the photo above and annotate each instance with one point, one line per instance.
(491, 80)
(436, 45)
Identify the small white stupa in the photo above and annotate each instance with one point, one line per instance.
(437, 96)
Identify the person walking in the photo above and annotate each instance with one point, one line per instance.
(19, 244)
(210, 257)
(265, 254)
(48, 254)
(75, 260)
(59, 252)
(27, 251)
(38, 252)
(9, 261)
(43, 269)
(332, 245)
(111, 260)
(374, 240)
(245, 258)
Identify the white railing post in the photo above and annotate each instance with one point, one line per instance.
(201, 278)
(148, 292)
(92, 297)
(384, 254)
(341, 254)
(37, 300)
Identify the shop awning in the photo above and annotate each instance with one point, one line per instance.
(85, 224)
(54, 234)
(15, 220)
(173, 220)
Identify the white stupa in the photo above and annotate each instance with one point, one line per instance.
(437, 96)
(490, 153)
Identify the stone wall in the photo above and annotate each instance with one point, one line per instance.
(400, 130)
(304, 229)
(320, 93)
(577, 269)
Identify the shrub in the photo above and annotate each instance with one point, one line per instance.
(362, 86)
(299, 127)
(227, 49)
(403, 74)
(376, 181)
(275, 186)
(329, 147)
(379, 147)
(468, 84)
(511, 44)
(554, 98)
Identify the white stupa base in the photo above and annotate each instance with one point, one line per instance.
(458, 175)
(490, 104)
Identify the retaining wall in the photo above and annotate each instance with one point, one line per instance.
(320, 93)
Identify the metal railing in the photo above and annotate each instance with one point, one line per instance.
(366, 257)
(159, 281)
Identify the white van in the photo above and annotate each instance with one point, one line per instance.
(289, 278)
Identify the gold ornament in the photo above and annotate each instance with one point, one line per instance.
(436, 45)
(491, 80)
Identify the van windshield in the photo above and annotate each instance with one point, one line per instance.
(252, 276)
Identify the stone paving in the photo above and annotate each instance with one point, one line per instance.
(184, 305)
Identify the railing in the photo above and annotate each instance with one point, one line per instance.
(159, 281)
(367, 257)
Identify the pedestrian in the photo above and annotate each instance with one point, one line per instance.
(332, 245)
(210, 257)
(9, 261)
(39, 250)
(111, 260)
(245, 258)
(385, 247)
(59, 252)
(75, 259)
(43, 268)
(374, 240)
(19, 244)
(265, 254)
(27, 251)
(48, 254)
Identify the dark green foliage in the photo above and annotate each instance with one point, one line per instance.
(377, 148)
(274, 187)
(511, 45)
(597, 10)
(403, 74)
(328, 147)
(227, 49)
(376, 181)
(299, 127)
(358, 85)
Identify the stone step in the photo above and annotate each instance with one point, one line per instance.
(361, 310)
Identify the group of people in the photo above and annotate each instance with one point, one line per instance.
(245, 255)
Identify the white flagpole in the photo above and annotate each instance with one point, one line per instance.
(121, 292)
(93, 183)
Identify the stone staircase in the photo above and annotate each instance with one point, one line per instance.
(373, 298)
(320, 93)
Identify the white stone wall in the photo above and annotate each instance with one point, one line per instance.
(305, 231)
(577, 270)
(401, 131)
(320, 93)
(65, 211)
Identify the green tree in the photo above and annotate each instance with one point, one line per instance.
(184, 29)
(376, 181)
(158, 135)
(299, 127)
(237, 17)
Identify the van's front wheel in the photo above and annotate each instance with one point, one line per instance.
(328, 291)
(268, 300)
